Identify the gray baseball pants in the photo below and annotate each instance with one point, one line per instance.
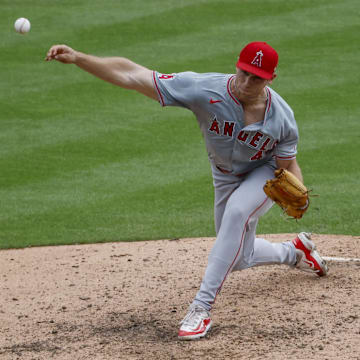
(239, 203)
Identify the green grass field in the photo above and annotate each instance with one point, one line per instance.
(85, 161)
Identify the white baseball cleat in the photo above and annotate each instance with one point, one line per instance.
(307, 258)
(195, 324)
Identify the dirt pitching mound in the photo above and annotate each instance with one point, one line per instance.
(125, 301)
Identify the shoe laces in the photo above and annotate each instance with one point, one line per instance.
(195, 314)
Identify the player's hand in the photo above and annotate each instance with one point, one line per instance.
(62, 53)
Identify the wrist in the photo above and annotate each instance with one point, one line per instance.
(79, 57)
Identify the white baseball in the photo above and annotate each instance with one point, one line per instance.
(22, 25)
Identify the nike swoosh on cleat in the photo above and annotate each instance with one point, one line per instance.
(310, 263)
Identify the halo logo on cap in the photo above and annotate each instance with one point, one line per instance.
(258, 58)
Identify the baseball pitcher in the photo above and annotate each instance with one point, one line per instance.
(251, 138)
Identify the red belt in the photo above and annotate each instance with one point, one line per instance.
(229, 172)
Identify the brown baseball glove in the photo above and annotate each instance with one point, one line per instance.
(288, 192)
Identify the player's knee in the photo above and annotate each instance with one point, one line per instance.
(237, 213)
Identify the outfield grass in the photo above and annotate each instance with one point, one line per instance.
(84, 161)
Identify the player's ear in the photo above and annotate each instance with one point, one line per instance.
(271, 80)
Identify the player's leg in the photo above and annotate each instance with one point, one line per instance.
(300, 252)
(239, 206)
(234, 245)
(258, 251)
(224, 186)
(197, 322)
(265, 252)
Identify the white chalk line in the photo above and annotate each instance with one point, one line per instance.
(340, 259)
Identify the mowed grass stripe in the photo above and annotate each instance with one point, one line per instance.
(156, 211)
(334, 102)
(74, 111)
(65, 17)
(228, 37)
(50, 160)
(83, 171)
(101, 189)
(108, 186)
(339, 132)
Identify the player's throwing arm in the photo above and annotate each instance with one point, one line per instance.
(116, 70)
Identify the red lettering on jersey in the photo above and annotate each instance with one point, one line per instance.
(215, 127)
(166, 76)
(257, 156)
(228, 128)
(242, 136)
(263, 148)
(254, 141)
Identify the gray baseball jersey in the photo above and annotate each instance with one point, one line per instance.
(231, 145)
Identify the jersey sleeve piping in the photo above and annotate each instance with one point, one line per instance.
(161, 99)
(286, 157)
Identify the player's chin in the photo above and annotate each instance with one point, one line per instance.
(248, 92)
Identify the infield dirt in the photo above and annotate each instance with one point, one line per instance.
(125, 301)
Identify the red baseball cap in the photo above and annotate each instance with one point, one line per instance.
(258, 58)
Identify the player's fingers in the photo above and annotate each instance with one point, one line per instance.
(51, 53)
(56, 50)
